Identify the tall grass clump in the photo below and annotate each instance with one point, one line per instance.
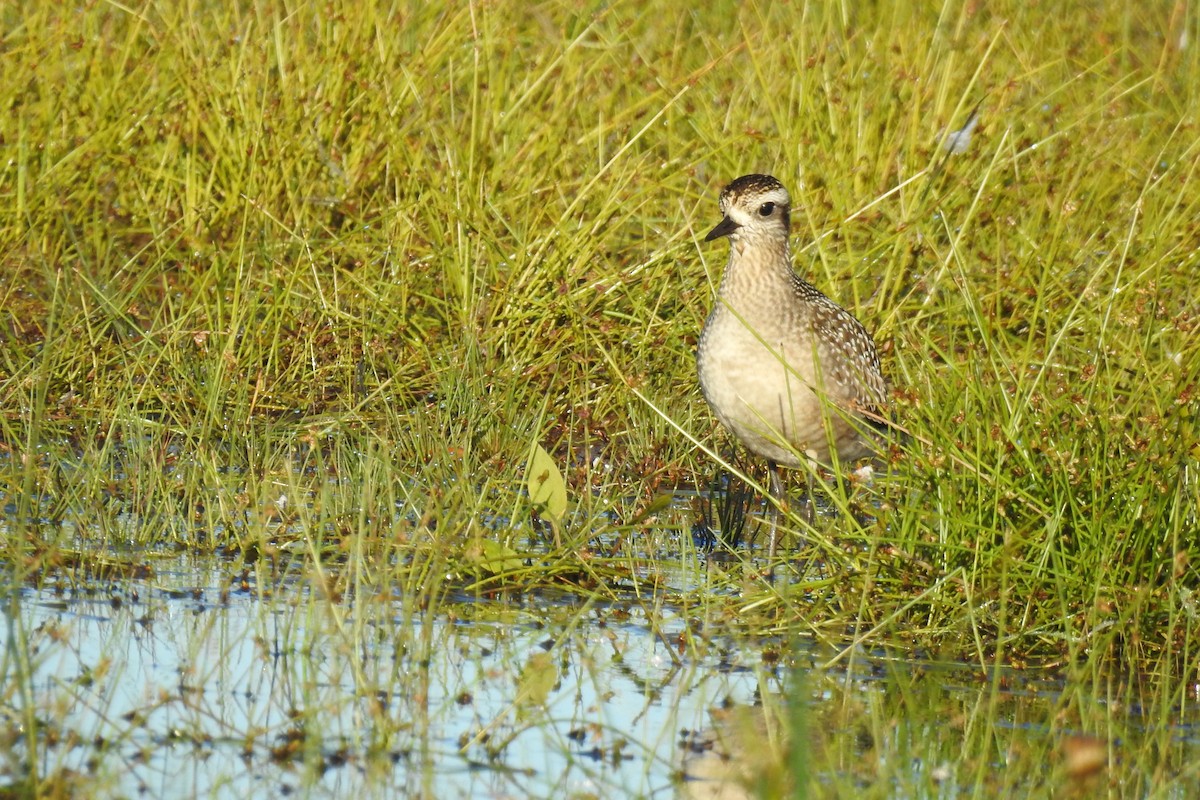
(325, 274)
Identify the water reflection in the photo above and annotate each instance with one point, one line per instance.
(185, 688)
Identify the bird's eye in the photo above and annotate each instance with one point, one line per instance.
(766, 208)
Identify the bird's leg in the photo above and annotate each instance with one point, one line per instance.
(810, 503)
(777, 493)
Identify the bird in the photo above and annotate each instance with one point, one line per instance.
(790, 373)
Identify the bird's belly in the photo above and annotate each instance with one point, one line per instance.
(766, 398)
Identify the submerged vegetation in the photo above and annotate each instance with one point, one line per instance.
(309, 287)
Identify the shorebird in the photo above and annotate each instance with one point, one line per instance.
(793, 375)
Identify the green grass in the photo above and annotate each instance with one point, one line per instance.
(363, 258)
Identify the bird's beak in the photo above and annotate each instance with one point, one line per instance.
(724, 228)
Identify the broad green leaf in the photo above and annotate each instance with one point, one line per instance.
(546, 486)
(496, 558)
(537, 680)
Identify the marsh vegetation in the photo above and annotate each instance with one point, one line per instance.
(299, 293)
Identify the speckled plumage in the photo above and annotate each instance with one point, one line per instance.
(784, 368)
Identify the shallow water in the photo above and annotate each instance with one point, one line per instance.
(187, 685)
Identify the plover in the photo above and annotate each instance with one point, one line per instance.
(789, 372)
